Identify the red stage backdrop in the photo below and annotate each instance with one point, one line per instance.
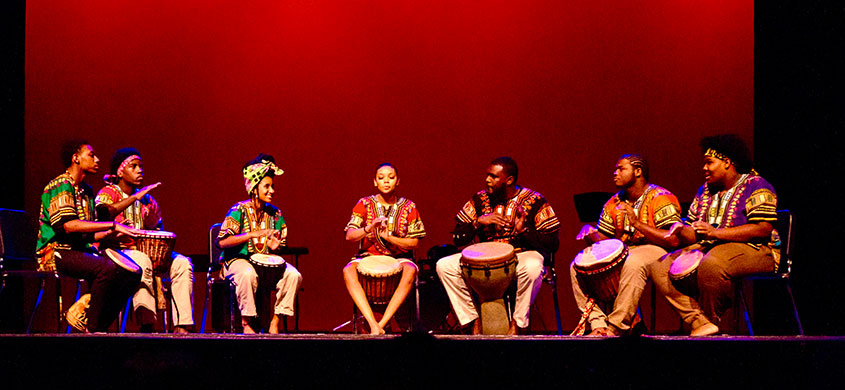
(332, 88)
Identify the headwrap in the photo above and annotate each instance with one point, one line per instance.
(122, 158)
(255, 172)
(710, 152)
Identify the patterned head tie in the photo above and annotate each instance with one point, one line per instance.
(120, 161)
(715, 154)
(255, 172)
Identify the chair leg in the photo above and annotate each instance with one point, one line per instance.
(794, 308)
(744, 308)
(232, 304)
(557, 306)
(37, 303)
(59, 303)
(209, 283)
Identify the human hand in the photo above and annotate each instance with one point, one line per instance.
(586, 231)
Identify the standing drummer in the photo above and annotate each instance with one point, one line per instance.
(383, 224)
(503, 212)
(256, 226)
(639, 215)
(123, 200)
(730, 220)
(67, 231)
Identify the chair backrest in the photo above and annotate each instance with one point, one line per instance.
(588, 205)
(18, 236)
(213, 246)
(785, 227)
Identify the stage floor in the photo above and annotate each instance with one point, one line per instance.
(417, 360)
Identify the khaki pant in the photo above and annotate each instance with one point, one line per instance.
(182, 287)
(529, 272)
(241, 272)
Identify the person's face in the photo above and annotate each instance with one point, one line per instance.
(386, 180)
(133, 173)
(265, 190)
(715, 170)
(625, 174)
(87, 159)
(497, 180)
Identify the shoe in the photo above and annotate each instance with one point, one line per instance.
(77, 314)
(707, 329)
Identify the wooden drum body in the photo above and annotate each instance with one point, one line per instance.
(683, 273)
(598, 268)
(379, 276)
(158, 245)
(489, 268)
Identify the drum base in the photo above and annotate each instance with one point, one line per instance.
(494, 317)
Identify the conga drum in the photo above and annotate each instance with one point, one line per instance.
(598, 267)
(683, 273)
(489, 268)
(77, 314)
(158, 245)
(379, 276)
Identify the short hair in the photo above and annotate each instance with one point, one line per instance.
(508, 165)
(732, 147)
(70, 148)
(385, 164)
(120, 155)
(637, 161)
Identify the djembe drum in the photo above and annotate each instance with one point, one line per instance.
(379, 276)
(683, 273)
(158, 245)
(269, 268)
(77, 314)
(598, 268)
(489, 268)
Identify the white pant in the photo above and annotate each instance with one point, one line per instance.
(182, 287)
(243, 275)
(529, 272)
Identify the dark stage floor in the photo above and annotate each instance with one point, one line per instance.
(419, 361)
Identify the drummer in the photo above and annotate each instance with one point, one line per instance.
(503, 212)
(126, 202)
(256, 226)
(730, 220)
(68, 230)
(383, 224)
(639, 215)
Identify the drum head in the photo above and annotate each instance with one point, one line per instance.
(122, 260)
(157, 234)
(378, 265)
(685, 263)
(486, 252)
(267, 260)
(599, 253)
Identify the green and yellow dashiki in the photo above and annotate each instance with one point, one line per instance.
(63, 201)
(243, 218)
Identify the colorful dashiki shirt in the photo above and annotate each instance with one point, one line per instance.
(656, 207)
(403, 221)
(143, 214)
(61, 202)
(540, 218)
(243, 218)
(751, 200)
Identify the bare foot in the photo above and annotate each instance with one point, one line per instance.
(274, 324)
(604, 331)
(181, 329)
(375, 328)
(514, 329)
(247, 328)
(476, 327)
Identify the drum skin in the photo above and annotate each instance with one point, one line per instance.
(598, 268)
(683, 273)
(379, 276)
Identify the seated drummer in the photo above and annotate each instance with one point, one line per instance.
(532, 228)
(389, 225)
(639, 215)
(67, 231)
(256, 226)
(124, 201)
(730, 220)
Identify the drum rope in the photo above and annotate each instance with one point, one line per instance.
(582, 324)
